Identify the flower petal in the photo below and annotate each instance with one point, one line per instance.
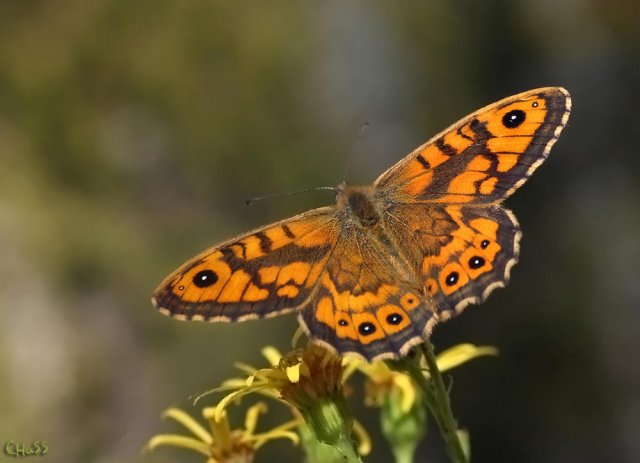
(175, 440)
(364, 441)
(272, 355)
(261, 439)
(219, 409)
(293, 373)
(251, 419)
(188, 422)
(462, 353)
(408, 390)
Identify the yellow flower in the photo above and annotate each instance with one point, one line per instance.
(221, 444)
(381, 379)
(310, 381)
(403, 416)
(299, 378)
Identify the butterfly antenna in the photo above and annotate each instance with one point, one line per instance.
(354, 150)
(248, 202)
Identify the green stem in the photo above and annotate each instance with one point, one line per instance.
(403, 455)
(340, 451)
(330, 422)
(437, 400)
(347, 449)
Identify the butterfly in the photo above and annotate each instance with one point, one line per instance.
(372, 274)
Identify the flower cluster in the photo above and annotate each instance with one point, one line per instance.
(313, 384)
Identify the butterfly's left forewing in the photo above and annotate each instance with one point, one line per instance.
(263, 273)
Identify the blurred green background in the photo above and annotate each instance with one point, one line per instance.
(132, 132)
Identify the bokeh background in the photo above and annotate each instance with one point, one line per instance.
(132, 132)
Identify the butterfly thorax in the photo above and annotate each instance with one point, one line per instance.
(364, 225)
(360, 203)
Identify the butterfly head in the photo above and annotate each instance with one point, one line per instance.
(359, 203)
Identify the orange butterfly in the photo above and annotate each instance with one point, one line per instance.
(374, 273)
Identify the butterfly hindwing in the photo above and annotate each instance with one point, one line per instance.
(460, 252)
(478, 259)
(369, 301)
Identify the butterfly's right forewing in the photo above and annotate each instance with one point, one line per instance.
(485, 156)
